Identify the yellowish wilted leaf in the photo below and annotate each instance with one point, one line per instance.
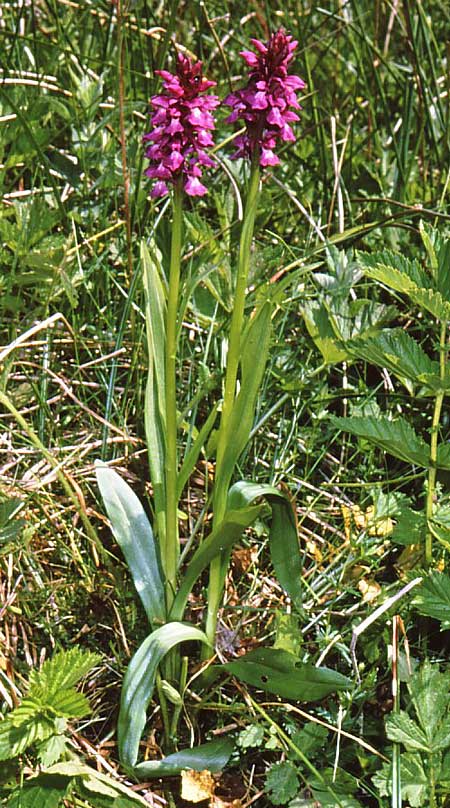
(364, 520)
(369, 590)
(197, 786)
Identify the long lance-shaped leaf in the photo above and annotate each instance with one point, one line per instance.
(255, 347)
(280, 672)
(194, 452)
(212, 756)
(241, 513)
(134, 535)
(139, 683)
(155, 417)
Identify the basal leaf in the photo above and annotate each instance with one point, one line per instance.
(139, 682)
(212, 756)
(241, 513)
(282, 673)
(432, 598)
(134, 535)
(395, 437)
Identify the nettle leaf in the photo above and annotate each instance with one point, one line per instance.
(282, 783)
(63, 671)
(70, 704)
(396, 351)
(282, 673)
(413, 779)
(16, 739)
(407, 277)
(402, 729)
(397, 437)
(432, 598)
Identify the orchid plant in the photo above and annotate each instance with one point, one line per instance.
(182, 123)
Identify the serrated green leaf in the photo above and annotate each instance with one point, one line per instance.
(282, 783)
(63, 671)
(16, 739)
(212, 756)
(394, 270)
(414, 780)
(251, 736)
(429, 689)
(70, 704)
(432, 598)
(321, 331)
(402, 729)
(51, 750)
(139, 682)
(397, 437)
(37, 797)
(396, 351)
(410, 527)
(134, 535)
(282, 673)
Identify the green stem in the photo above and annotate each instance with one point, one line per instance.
(223, 474)
(431, 488)
(171, 549)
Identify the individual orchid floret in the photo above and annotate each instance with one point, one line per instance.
(266, 102)
(181, 129)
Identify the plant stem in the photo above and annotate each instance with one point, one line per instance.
(431, 488)
(171, 549)
(223, 474)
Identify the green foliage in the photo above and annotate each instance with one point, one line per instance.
(425, 737)
(282, 673)
(282, 783)
(251, 736)
(432, 598)
(51, 701)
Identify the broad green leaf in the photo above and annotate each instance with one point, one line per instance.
(282, 782)
(395, 437)
(402, 729)
(16, 739)
(134, 535)
(139, 682)
(414, 780)
(155, 408)
(212, 756)
(429, 688)
(194, 452)
(62, 671)
(254, 350)
(282, 673)
(432, 598)
(396, 351)
(70, 704)
(95, 783)
(410, 527)
(35, 796)
(407, 277)
(336, 789)
(240, 514)
(51, 750)
(321, 331)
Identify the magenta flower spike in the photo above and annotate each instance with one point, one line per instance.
(181, 129)
(266, 102)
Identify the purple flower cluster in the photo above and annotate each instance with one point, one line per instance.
(264, 104)
(181, 129)
(182, 121)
